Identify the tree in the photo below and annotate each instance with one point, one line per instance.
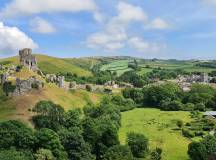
(49, 115)
(48, 139)
(171, 105)
(74, 144)
(118, 152)
(12, 154)
(16, 134)
(155, 94)
(138, 144)
(44, 154)
(156, 154)
(100, 126)
(204, 150)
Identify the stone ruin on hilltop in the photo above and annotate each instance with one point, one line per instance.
(23, 86)
(27, 59)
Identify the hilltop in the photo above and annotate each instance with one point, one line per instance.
(49, 64)
(19, 107)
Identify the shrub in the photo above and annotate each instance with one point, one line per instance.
(179, 123)
(188, 133)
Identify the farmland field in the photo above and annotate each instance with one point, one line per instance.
(118, 66)
(159, 127)
(188, 66)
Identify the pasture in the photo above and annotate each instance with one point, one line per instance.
(118, 66)
(160, 127)
(189, 66)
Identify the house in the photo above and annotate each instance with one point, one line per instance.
(211, 114)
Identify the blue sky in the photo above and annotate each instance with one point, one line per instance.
(143, 28)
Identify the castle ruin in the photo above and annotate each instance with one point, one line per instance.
(27, 59)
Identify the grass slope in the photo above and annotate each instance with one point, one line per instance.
(55, 65)
(17, 107)
(160, 128)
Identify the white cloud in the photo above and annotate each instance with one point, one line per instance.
(158, 23)
(40, 25)
(209, 1)
(115, 36)
(107, 40)
(142, 46)
(128, 13)
(12, 39)
(30, 7)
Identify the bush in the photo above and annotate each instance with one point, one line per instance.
(188, 133)
(179, 123)
(200, 107)
(118, 152)
(171, 106)
(156, 154)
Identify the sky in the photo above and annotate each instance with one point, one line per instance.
(167, 29)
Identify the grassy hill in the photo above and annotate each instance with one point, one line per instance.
(160, 128)
(18, 107)
(55, 65)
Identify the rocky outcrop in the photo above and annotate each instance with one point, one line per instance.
(23, 86)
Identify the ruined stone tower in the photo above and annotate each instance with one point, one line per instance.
(27, 59)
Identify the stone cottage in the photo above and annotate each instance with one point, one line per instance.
(27, 59)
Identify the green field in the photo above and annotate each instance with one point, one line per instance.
(118, 66)
(160, 128)
(188, 66)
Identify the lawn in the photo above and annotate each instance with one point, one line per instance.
(160, 128)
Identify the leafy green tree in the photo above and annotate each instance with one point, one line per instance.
(204, 150)
(100, 127)
(134, 94)
(75, 145)
(49, 115)
(154, 95)
(138, 144)
(118, 152)
(171, 105)
(44, 154)
(16, 134)
(122, 103)
(12, 154)
(48, 139)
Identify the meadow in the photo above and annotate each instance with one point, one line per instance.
(160, 127)
(118, 66)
